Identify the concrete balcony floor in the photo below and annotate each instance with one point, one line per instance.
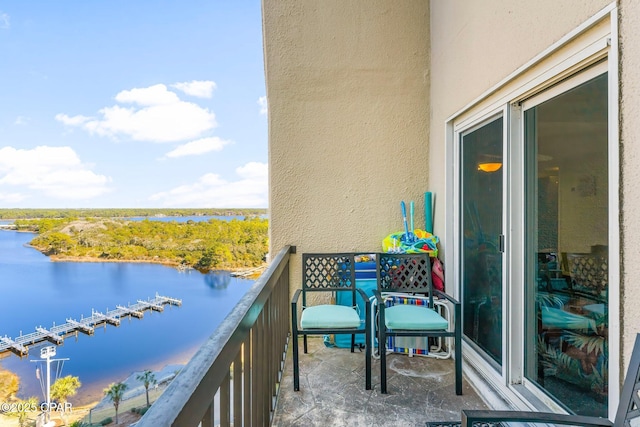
(332, 390)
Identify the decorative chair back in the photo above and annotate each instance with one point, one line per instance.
(406, 273)
(588, 271)
(328, 272)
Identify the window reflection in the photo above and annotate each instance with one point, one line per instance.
(482, 227)
(567, 209)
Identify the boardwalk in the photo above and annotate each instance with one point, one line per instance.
(86, 325)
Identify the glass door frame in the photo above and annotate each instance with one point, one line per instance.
(505, 98)
(517, 282)
(483, 362)
(509, 380)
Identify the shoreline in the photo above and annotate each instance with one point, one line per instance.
(174, 264)
(168, 263)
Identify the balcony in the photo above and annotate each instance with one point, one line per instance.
(241, 376)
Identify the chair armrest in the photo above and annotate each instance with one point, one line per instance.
(296, 297)
(379, 299)
(446, 296)
(469, 417)
(364, 296)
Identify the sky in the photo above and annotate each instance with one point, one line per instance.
(121, 103)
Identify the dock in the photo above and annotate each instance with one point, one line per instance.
(249, 272)
(57, 333)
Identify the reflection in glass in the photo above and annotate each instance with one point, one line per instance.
(566, 337)
(482, 228)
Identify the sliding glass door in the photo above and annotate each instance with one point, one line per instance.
(482, 243)
(566, 246)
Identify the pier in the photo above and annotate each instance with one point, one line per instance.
(250, 272)
(57, 333)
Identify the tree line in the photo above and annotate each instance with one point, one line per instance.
(204, 245)
(124, 212)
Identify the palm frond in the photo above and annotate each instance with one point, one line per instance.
(588, 343)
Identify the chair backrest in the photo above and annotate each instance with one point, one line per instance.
(406, 273)
(589, 272)
(327, 272)
(629, 406)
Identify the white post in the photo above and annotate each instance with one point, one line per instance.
(48, 388)
(47, 353)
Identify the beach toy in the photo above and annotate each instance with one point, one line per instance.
(408, 237)
(428, 212)
(424, 242)
(411, 209)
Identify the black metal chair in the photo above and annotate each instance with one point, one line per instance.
(628, 407)
(329, 273)
(411, 273)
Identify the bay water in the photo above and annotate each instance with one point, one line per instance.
(37, 292)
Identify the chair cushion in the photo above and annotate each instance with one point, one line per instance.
(413, 317)
(560, 319)
(329, 316)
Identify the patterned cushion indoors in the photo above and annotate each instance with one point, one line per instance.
(561, 319)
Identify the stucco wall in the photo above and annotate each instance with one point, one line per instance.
(629, 21)
(476, 44)
(348, 95)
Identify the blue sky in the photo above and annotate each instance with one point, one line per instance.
(132, 104)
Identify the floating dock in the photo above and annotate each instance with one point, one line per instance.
(57, 333)
(250, 272)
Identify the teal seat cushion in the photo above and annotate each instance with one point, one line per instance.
(413, 317)
(329, 316)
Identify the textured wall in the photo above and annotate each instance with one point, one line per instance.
(348, 94)
(490, 43)
(476, 44)
(629, 22)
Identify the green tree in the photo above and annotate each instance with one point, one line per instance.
(147, 378)
(8, 385)
(114, 392)
(64, 388)
(58, 243)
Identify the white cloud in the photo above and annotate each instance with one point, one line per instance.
(21, 120)
(158, 115)
(72, 121)
(52, 171)
(199, 146)
(262, 102)
(147, 96)
(197, 88)
(4, 21)
(254, 170)
(251, 190)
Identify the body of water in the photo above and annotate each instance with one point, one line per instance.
(187, 218)
(37, 292)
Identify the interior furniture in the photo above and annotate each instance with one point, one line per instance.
(411, 273)
(329, 274)
(628, 412)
